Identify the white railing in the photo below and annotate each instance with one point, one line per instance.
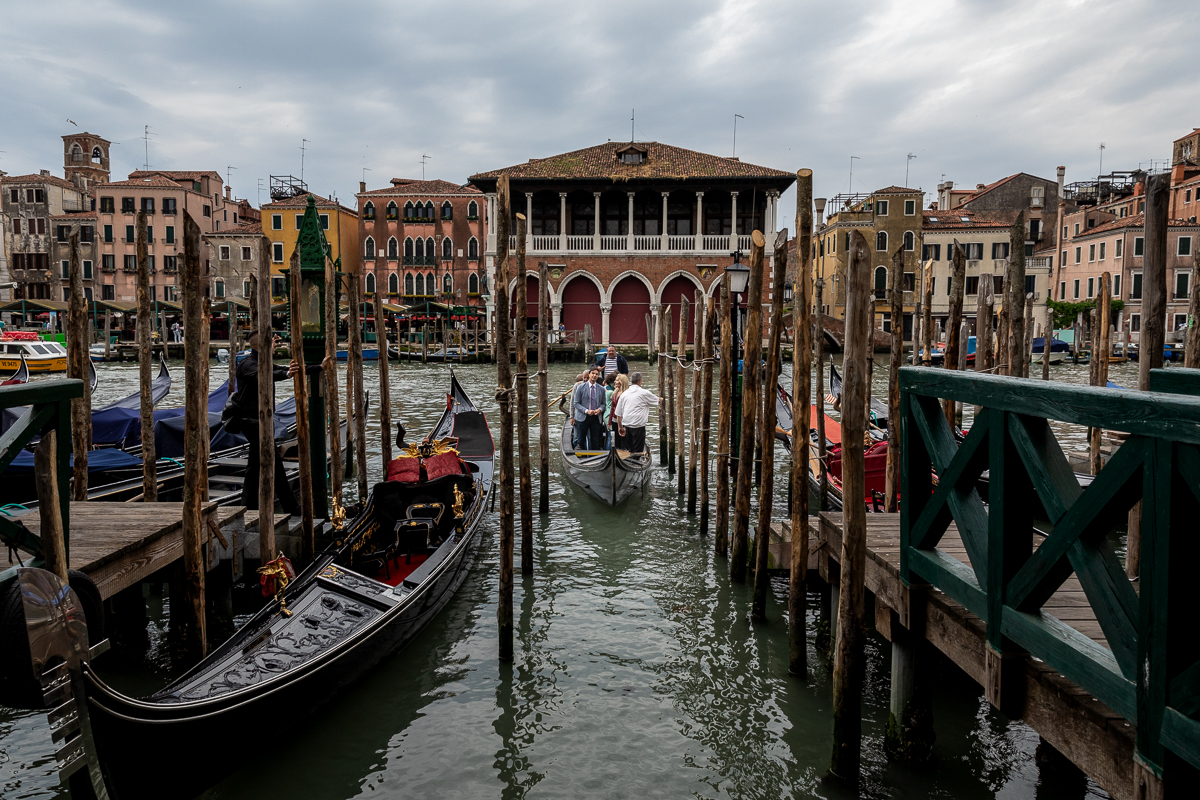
(647, 243)
(614, 242)
(512, 244)
(580, 242)
(545, 242)
(681, 242)
(1039, 263)
(743, 243)
(714, 243)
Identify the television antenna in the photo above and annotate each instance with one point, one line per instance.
(424, 158)
(1102, 161)
(147, 133)
(260, 188)
(908, 161)
(736, 117)
(228, 178)
(852, 160)
(365, 171)
(303, 143)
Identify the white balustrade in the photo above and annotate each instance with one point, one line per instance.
(579, 242)
(681, 242)
(715, 243)
(743, 243)
(613, 242)
(545, 242)
(647, 243)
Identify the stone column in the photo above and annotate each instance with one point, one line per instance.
(596, 229)
(699, 240)
(605, 310)
(556, 314)
(562, 221)
(733, 242)
(655, 318)
(528, 222)
(490, 217)
(628, 238)
(665, 242)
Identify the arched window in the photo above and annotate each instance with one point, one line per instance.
(408, 284)
(447, 284)
(447, 249)
(408, 249)
(447, 210)
(408, 210)
(370, 248)
(393, 248)
(910, 241)
(369, 210)
(473, 283)
(430, 284)
(391, 209)
(97, 156)
(472, 210)
(76, 153)
(880, 283)
(430, 251)
(393, 284)
(428, 210)
(420, 284)
(473, 249)
(881, 241)
(420, 250)
(370, 283)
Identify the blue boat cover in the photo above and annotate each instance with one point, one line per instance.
(103, 459)
(1056, 345)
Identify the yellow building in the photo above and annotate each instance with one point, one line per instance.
(281, 225)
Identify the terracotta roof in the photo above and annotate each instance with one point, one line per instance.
(176, 174)
(419, 187)
(244, 229)
(897, 190)
(662, 161)
(51, 179)
(1186, 135)
(954, 219)
(301, 201)
(97, 137)
(156, 180)
(980, 192)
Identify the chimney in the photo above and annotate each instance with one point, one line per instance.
(1062, 177)
(362, 186)
(819, 203)
(45, 172)
(979, 186)
(229, 193)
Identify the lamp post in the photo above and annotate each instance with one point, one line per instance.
(739, 280)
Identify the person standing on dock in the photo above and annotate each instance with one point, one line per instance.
(246, 401)
(632, 413)
(611, 362)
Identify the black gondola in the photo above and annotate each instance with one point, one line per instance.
(611, 476)
(362, 599)
(879, 411)
(22, 375)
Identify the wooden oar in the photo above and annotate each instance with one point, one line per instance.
(550, 403)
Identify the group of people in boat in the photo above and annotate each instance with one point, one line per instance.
(608, 406)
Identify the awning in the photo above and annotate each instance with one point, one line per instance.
(58, 306)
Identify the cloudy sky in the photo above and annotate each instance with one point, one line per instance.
(975, 89)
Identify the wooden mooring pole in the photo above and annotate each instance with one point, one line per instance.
(385, 387)
(724, 420)
(694, 436)
(1191, 345)
(145, 329)
(706, 380)
(1027, 344)
(751, 364)
(354, 367)
(819, 357)
(195, 432)
(848, 665)
(504, 609)
(332, 409)
(1014, 301)
(766, 432)
(77, 367)
(983, 324)
(1047, 337)
(266, 411)
(300, 387)
(670, 401)
(650, 340)
(891, 487)
(801, 425)
(45, 475)
(1100, 352)
(664, 323)
(679, 435)
(958, 277)
(927, 337)
(543, 385)
(524, 474)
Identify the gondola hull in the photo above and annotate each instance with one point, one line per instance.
(608, 477)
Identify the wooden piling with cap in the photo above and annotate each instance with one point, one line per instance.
(751, 364)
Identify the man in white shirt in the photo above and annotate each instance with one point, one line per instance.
(632, 413)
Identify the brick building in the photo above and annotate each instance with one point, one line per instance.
(281, 224)
(234, 254)
(630, 227)
(422, 240)
(31, 204)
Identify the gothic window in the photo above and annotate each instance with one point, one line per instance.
(447, 284)
(420, 284)
(393, 284)
(392, 247)
(420, 249)
(473, 284)
(408, 210)
(472, 210)
(370, 248)
(370, 283)
(430, 251)
(428, 210)
(430, 284)
(447, 210)
(408, 284)
(447, 249)
(408, 248)
(473, 249)
(881, 241)
(369, 210)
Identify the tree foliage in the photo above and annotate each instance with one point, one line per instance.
(1066, 313)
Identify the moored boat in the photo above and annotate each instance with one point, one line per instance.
(40, 356)
(611, 476)
(22, 375)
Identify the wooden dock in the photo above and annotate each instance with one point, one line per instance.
(1090, 734)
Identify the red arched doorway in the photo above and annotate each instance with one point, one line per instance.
(630, 305)
(531, 300)
(678, 288)
(581, 305)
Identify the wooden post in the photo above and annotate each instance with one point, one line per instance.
(958, 277)
(351, 414)
(299, 382)
(266, 412)
(927, 324)
(766, 432)
(77, 367)
(819, 357)
(892, 479)
(801, 424)
(650, 354)
(751, 363)
(331, 381)
(724, 420)
(670, 403)
(504, 609)
(983, 324)
(145, 327)
(1047, 336)
(664, 322)
(385, 388)
(1014, 302)
(1100, 353)
(543, 387)
(848, 667)
(354, 365)
(195, 432)
(1154, 312)
(678, 436)
(1002, 326)
(1027, 344)
(706, 379)
(425, 340)
(45, 472)
(1191, 345)
(205, 358)
(524, 474)
(694, 436)
(235, 342)
(107, 335)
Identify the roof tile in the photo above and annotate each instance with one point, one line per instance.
(416, 187)
(662, 161)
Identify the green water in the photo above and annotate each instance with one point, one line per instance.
(636, 674)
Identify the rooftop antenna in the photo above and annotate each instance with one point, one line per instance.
(1102, 161)
(228, 178)
(852, 160)
(423, 159)
(736, 117)
(303, 142)
(146, 138)
(260, 192)
(908, 161)
(632, 122)
(365, 171)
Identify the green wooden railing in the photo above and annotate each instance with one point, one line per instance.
(48, 408)
(1150, 671)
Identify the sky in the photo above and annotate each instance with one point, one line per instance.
(974, 90)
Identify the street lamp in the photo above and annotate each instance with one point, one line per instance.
(739, 281)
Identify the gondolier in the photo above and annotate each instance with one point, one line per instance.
(632, 413)
(246, 415)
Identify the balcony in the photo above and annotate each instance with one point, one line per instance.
(419, 261)
(718, 244)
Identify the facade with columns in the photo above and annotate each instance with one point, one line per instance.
(628, 229)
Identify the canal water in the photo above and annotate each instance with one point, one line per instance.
(636, 672)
